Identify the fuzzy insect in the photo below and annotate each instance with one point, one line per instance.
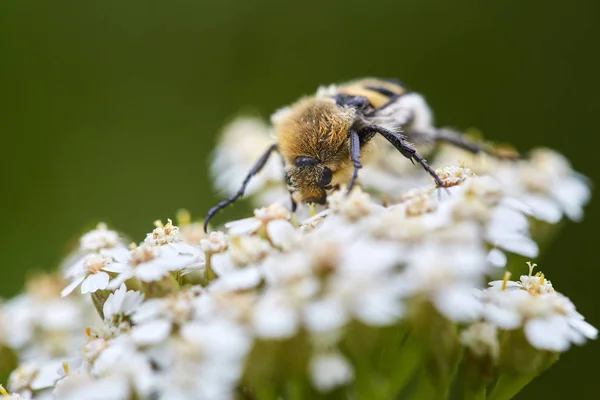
(321, 137)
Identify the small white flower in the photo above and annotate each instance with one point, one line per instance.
(275, 317)
(329, 371)
(454, 175)
(155, 317)
(85, 387)
(481, 339)
(42, 328)
(120, 305)
(549, 319)
(216, 242)
(242, 251)
(168, 235)
(34, 376)
(99, 239)
(14, 396)
(123, 361)
(91, 274)
(446, 276)
(152, 263)
(213, 350)
(262, 218)
(352, 206)
(546, 183)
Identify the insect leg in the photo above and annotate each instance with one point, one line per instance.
(398, 141)
(354, 156)
(255, 170)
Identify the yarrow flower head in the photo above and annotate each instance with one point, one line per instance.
(549, 319)
(91, 274)
(384, 283)
(100, 239)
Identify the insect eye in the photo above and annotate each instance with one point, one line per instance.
(326, 177)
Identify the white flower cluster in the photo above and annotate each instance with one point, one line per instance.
(274, 307)
(544, 183)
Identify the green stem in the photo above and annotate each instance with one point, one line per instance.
(508, 386)
(474, 394)
(425, 389)
(408, 359)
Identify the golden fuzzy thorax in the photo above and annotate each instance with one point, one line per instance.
(315, 128)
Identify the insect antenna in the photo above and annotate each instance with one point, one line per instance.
(260, 163)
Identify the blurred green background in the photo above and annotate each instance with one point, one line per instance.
(108, 110)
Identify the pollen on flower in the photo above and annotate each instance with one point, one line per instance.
(536, 284)
(418, 202)
(531, 267)
(3, 391)
(273, 212)
(94, 263)
(453, 175)
(181, 306)
(22, 378)
(142, 254)
(217, 242)
(163, 234)
(98, 239)
(353, 206)
(505, 280)
(65, 367)
(245, 250)
(91, 350)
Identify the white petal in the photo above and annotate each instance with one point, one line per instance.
(378, 308)
(243, 227)
(274, 319)
(227, 340)
(325, 315)
(584, 328)
(496, 258)
(509, 284)
(572, 194)
(519, 245)
(151, 271)
(117, 267)
(458, 304)
(242, 279)
(547, 334)
(544, 209)
(151, 309)
(113, 304)
(119, 280)
(184, 248)
(281, 232)
(152, 332)
(221, 264)
(329, 371)
(67, 291)
(504, 319)
(46, 376)
(94, 282)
